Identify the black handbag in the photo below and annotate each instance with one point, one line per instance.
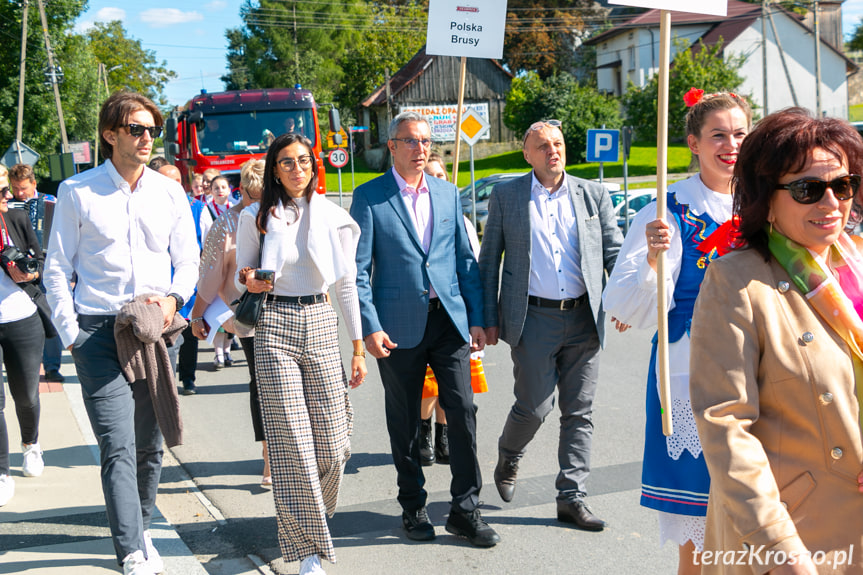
(250, 305)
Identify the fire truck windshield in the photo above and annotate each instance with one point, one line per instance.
(251, 131)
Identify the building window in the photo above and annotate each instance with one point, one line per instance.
(631, 58)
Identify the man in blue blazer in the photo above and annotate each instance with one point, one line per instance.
(557, 237)
(421, 303)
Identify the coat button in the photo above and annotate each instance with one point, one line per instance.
(826, 397)
(783, 286)
(428, 264)
(836, 453)
(807, 337)
(425, 292)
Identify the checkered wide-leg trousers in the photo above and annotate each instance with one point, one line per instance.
(307, 421)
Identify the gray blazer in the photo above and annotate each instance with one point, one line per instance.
(507, 234)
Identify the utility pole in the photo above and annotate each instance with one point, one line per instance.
(817, 62)
(53, 77)
(19, 129)
(296, 49)
(764, 54)
(782, 57)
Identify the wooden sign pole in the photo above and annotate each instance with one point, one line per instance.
(458, 120)
(661, 191)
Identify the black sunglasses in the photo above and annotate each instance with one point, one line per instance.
(810, 190)
(137, 130)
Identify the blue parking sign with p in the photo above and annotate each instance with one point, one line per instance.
(603, 145)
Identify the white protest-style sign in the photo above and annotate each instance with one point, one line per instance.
(338, 158)
(473, 127)
(470, 28)
(712, 7)
(442, 118)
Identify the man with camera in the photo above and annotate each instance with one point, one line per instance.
(122, 228)
(22, 183)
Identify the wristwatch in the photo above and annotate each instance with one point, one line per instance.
(180, 301)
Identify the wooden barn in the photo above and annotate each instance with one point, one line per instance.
(429, 85)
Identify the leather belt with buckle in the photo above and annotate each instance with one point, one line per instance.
(434, 304)
(561, 304)
(300, 299)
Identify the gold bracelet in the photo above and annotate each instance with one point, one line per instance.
(359, 353)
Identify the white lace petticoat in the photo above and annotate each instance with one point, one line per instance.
(681, 528)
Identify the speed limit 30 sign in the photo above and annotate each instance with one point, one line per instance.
(338, 158)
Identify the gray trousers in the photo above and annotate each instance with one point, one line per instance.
(558, 349)
(130, 442)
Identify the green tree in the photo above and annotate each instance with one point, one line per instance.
(856, 42)
(289, 42)
(703, 68)
(579, 107)
(399, 33)
(132, 67)
(541, 35)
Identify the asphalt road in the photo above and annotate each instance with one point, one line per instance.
(225, 464)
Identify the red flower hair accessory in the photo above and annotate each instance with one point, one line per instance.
(692, 97)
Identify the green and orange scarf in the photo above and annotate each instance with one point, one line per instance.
(836, 295)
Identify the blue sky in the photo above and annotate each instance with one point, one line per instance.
(191, 39)
(189, 36)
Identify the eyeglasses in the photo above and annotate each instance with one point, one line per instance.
(539, 126)
(137, 130)
(413, 142)
(810, 190)
(288, 164)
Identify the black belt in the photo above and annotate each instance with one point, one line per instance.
(434, 304)
(562, 304)
(300, 299)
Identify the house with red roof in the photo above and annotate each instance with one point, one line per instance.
(781, 75)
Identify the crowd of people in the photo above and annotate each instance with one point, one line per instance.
(763, 276)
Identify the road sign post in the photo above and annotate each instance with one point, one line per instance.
(472, 128)
(338, 159)
(351, 150)
(603, 146)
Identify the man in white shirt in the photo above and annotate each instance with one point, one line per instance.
(123, 228)
(557, 236)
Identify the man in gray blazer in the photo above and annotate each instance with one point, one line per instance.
(421, 304)
(558, 237)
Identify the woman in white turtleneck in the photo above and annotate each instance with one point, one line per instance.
(310, 244)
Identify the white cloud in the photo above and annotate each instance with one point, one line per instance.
(110, 14)
(163, 17)
(216, 6)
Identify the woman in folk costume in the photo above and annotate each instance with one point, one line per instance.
(694, 231)
(310, 244)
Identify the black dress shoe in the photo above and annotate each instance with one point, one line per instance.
(471, 526)
(441, 443)
(417, 525)
(576, 511)
(504, 476)
(426, 448)
(54, 375)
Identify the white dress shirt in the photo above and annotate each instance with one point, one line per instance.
(121, 243)
(555, 262)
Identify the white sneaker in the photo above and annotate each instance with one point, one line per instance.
(7, 489)
(311, 565)
(33, 464)
(135, 564)
(153, 557)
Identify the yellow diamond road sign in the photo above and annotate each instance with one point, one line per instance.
(473, 127)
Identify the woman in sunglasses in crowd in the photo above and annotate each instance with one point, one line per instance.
(309, 245)
(777, 366)
(692, 232)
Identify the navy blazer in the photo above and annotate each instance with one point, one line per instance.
(394, 274)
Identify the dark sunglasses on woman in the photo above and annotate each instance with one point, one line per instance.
(811, 190)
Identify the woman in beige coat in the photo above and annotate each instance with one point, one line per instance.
(776, 359)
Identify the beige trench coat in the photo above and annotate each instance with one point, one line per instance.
(774, 400)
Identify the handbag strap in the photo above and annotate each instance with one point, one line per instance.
(260, 249)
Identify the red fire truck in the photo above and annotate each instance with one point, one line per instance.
(223, 130)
